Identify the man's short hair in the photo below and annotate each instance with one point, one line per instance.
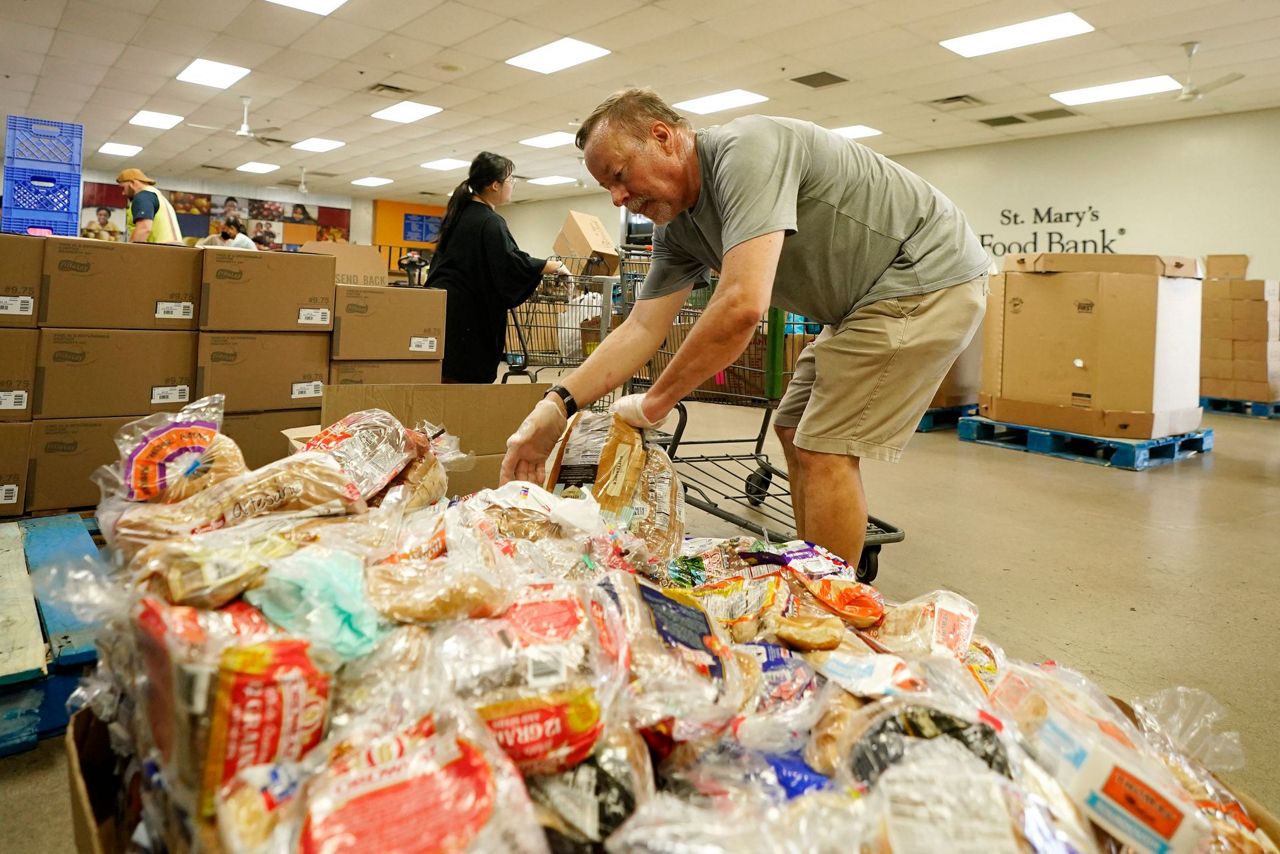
(237, 224)
(632, 110)
(104, 208)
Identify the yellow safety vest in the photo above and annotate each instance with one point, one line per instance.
(164, 228)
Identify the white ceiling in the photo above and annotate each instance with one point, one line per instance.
(99, 61)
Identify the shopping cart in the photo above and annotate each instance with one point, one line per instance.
(562, 323)
(739, 485)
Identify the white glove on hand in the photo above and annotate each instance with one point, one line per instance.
(631, 409)
(531, 444)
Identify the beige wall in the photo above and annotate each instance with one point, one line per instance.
(534, 225)
(1194, 187)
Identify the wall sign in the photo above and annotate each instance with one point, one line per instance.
(1052, 229)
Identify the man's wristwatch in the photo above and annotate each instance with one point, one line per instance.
(570, 405)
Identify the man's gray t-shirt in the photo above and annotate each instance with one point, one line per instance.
(860, 228)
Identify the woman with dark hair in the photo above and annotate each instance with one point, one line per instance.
(485, 274)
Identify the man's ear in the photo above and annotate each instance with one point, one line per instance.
(661, 132)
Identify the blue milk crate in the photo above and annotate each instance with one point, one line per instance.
(37, 201)
(43, 144)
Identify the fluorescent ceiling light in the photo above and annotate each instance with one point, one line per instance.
(551, 180)
(148, 119)
(317, 143)
(549, 140)
(119, 149)
(256, 167)
(371, 182)
(1019, 35)
(720, 101)
(558, 56)
(856, 131)
(206, 72)
(446, 164)
(1116, 91)
(316, 7)
(406, 111)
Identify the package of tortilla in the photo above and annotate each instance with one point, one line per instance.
(372, 447)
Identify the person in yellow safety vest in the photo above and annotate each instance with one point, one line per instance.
(149, 218)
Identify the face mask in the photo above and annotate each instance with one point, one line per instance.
(226, 235)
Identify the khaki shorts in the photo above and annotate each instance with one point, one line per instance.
(860, 388)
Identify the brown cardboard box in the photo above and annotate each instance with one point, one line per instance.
(96, 284)
(1218, 388)
(1255, 309)
(1172, 266)
(1102, 354)
(1216, 328)
(1258, 329)
(485, 475)
(1217, 369)
(1255, 351)
(1256, 372)
(357, 265)
(1258, 392)
(18, 351)
(1217, 348)
(96, 373)
(961, 384)
(1216, 289)
(266, 291)
(585, 236)
(1216, 309)
(1255, 289)
(482, 416)
(1226, 266)
(14, 441)
(262, 371)
(384, 373)
(260, 435)
(64, 452)
(388, 323)
(21, 263)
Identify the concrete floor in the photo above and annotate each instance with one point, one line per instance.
(1139, 579)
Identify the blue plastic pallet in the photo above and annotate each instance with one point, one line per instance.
(1249, 408)
(44, 646)
(42, 144)
(1131, 454)
(944, 417)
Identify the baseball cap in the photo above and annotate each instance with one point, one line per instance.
(133, 175)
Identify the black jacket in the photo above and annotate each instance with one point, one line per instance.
(485, 274)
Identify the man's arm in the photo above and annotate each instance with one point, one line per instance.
(141, 230)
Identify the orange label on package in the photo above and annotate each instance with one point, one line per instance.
(1143, 802)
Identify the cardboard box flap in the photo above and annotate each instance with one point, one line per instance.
(1170, 266)
(299, 436)
(1226, 266)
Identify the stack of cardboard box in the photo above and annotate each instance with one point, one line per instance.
(1240, 338)
(381, 334)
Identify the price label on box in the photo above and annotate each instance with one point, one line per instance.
(9, 493)
(175, 310)
(313, 316)
(17, 305)
(418, 344)
(308, 389)
(170, 394)
(13, 400)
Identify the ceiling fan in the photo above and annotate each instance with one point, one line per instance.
(1194, 93)
(244, 130)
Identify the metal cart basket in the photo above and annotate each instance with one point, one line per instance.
(740, 479)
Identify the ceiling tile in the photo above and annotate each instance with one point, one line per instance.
(384, 16)
(339, 39)
(510, 38)
(295, 64)
(173, 37)
(632, 28)
(21, 62)
(85, 49)
(40, 13)
(451, 24)
(19, 36)
(390, 53)
(71, 71)
(572, 17)
(267, 22)
(94, 19)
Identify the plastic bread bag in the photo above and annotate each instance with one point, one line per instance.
(580, 807)
(393, 686)
(600, 453)
(421, 483)
(939, 623)
(308, 483)
(671, 825)
(703, 560)
(549, 533)
(744, 607)
(781, 698)
(318, 594)
(257, 811)
(543, 676)
(821, 581)
(439, 785)
(1100, 759)
(372, 447)
(656, 510)
(209, 570)
(444, 566)
(1183, 726)
(727, 770)
(985, 660)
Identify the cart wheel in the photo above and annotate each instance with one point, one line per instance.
(758, 486)
(869, 565)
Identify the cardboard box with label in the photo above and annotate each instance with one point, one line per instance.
(15, 438)
(260, 435)
(1099, 353)
(362, 266)
(21, 266)
(391, 372)
(388, 323)
(1226, 266)
(252, 291)
(95, 373)
(19, 349)
(259, 372)
(63, 454)
(585, 237)
(97, 284)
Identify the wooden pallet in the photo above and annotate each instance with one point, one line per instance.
(1131, 454)
(1249, 408)
(44, 646)
(944, 417)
